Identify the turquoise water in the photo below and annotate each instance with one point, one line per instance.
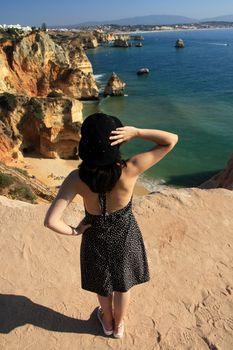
(188, 91)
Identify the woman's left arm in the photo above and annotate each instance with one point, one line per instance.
(67, 192)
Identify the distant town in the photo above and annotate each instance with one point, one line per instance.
(114, 28)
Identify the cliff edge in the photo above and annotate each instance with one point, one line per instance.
(188, 303)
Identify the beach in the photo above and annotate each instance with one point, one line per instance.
(52, 172)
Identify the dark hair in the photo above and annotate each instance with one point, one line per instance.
(101, 178)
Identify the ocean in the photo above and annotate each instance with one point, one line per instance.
(188, 92)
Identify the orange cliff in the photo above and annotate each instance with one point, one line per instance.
(35, 65)
(49, 126)
(41, 83)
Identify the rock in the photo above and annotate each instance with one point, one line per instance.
(143, 71)
(137, 37)
(223, 179)
(35, 65)
(115, 86)
(49, 126)
(92, 43)
(179, 43)
(104, 37)
(121, 42)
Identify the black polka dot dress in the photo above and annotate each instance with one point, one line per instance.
(112, 252)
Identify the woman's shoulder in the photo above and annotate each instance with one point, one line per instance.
(74, 179)
(82, 187)
(128, 170)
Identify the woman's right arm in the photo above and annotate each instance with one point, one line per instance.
(137, 164)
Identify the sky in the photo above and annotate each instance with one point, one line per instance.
(58, 12)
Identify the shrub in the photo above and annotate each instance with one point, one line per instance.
(37, 37)
(36, 109)
(22, 171)
(5, 180)
(8, 101)
(23, 192)
(55, 94)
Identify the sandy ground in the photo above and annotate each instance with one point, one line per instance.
(53, 171)
(186, 305)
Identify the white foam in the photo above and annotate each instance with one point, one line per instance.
(218, 44)
(152, 185)
(99, 77)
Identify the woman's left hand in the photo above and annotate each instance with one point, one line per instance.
(81, 228)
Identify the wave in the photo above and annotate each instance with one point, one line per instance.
(219, 44)
(151, 185)
(99, 77)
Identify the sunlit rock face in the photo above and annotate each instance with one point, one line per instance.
(115, 86)
(50, 126)
(35, 65)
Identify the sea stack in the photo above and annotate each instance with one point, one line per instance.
(115, 86)
(137, 37)
(179, 44)
(122, 42)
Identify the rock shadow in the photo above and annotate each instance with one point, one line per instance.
(191, 180)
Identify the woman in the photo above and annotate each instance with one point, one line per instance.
(113, 256)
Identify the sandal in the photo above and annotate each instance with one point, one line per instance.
(99, 313)
(120, 333)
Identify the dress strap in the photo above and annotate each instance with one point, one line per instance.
(102, 200)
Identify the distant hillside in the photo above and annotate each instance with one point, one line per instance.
(147, 20)
(151, 20)
(227, 18)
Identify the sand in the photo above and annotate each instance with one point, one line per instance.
(52, 172)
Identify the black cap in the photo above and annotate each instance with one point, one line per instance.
(95, 146)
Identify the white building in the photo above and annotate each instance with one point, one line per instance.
(15, 26)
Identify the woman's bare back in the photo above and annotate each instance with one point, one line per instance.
(116, 199)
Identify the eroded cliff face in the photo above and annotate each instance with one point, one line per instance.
(41, 81)
(50, 126)
(35, 65)
(222, 179)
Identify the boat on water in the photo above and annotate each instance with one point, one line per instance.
(143, 71)
(179, 44)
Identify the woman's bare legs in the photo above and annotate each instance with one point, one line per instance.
(106, 306)
(121, 303)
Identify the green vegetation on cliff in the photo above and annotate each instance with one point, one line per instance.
(13, 188)
(8, 101)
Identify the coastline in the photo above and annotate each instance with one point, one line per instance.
(172, 30)
(52, 172)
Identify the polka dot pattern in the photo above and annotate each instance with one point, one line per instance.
(112, 252)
